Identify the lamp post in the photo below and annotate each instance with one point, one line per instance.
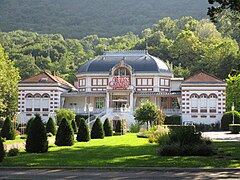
(233, 111)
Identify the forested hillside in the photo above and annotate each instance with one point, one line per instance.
(188, 45)
(106, 18)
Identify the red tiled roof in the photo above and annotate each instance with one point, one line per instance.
(203, 77)
(45, 77)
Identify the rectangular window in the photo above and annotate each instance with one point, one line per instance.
(164, 82)
(99, 82)
(144, 82)
(99, 103)
(82, 82)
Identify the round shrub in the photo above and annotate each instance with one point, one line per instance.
(97, 130)
(8, 130)
(2, 152)
(83, 131)
(74, 126)
(37, 137)
(50, 127)
(107, 128)
(65, 134)
(228, 119)
(29, 124)
(13, 152)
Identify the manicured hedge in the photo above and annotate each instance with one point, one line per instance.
(50, 127)
(234, 128)
(228, 119)
(2, 152)
(174, 120)
(83, 131)
(108, 130)
(97, 131)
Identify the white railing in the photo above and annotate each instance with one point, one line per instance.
(172, 111)
(81, 110)
(92, 119)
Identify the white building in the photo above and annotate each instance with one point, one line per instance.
(113, 85)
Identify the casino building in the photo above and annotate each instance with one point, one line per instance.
(114, 84)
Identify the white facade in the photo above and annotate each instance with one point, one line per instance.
(113, 85)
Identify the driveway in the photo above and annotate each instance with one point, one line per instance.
(222, 135)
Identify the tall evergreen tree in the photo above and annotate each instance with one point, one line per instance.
(107, 128)
(97, 130)
(83, 131)
(74, 126)
(50, 127)
(37, 137)
(8, 130)
(2, 152)
(28, 126)
(65, 134)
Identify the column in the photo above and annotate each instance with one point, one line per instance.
(107, 102)
(131, 102)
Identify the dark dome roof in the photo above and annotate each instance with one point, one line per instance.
(140, 61)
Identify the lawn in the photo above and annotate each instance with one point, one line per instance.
(124, 151)
(17, 140)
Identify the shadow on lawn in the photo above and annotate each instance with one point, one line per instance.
(115, 156)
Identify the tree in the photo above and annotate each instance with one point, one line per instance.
(83, 131)
(107, 128)
(65, 134)
(146, 113)
(74, 126)
(224, 5)
(64, 113)
(37, 137)
(8, 85)
(233, 92)
(97, 130)
(8, 130)
(2, 152)
(50, 127)
(28, 126)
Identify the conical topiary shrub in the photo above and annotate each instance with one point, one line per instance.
(118, 127)
(2, 152)
(83, 131)
(74, 126)
(107, 128)
(37, 137)
(50, 127)
(29, 124)
(97, 130)
(8, 130)
(65, 134)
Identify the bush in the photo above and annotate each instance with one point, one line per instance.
(174, 120)
(228, 119)
(37, 137)
(28, 126)
(79, 117)
(83, 131)
(2, 152)
(13, 152)
(8, 130)
(207, 127)
(234, 128)
(50, 127)
(74, 126)
(107, 128)
(64, 113)
(97, 130)
(119, 128)
(65, 134)
(134, 128)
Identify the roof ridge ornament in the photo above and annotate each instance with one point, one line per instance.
(126, 53)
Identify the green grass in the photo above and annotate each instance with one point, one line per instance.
(124, 151)
(17, 140)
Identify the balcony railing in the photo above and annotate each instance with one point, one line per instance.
(172, 111)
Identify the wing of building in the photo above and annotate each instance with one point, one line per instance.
(114, 84)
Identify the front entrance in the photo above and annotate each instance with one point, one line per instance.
(118, 104)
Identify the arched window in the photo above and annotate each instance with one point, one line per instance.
(29, 96)
(213, 102)
(29, 102)
(37, 96)
(194, 102)
(203, 103)
(45, 96)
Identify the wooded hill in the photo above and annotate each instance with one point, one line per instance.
(106, 18)
(188, 45)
